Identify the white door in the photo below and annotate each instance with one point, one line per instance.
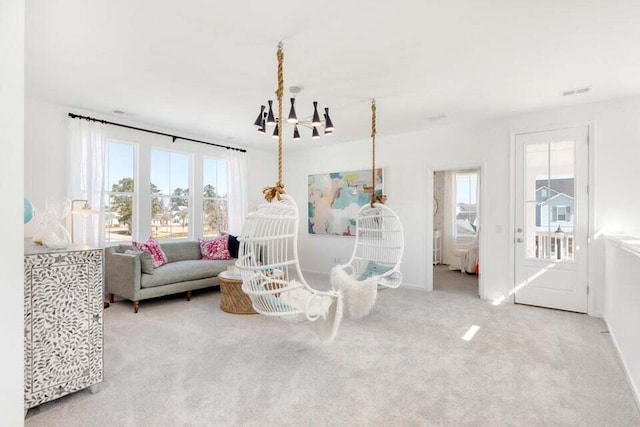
(552, 219)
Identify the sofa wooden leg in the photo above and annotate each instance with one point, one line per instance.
(111, 298)
(188, 295)
(136, 304)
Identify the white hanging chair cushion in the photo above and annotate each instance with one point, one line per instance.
(360, 295)
(373, 269)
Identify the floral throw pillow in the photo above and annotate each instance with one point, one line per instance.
(217, 248)
(153, 247)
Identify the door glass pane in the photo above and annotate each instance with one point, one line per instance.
(562, 205)
(549, 200)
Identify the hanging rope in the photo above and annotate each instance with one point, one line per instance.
(277, 190)
(374, 198)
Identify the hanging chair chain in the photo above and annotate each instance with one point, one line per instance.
(374, 198)
(277, 190)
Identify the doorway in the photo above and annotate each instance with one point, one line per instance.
(551, 219)
(456, 230)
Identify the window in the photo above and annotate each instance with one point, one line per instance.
(119, 192)
(466, 196)
(214, 196)
(170, 177)
(561, 213)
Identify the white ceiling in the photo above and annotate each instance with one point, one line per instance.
(204, 67)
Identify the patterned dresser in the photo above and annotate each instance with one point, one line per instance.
(63, 335)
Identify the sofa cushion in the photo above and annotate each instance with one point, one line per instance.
(152, 246)
(234, 246)
(146, 260)
(184, 271)
(181, 251)
(216, 248)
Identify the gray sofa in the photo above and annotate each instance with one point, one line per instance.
(184, 272)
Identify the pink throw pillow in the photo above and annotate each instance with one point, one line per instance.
(153, 247)
(217, 248)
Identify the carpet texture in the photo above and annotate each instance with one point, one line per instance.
(179, 363)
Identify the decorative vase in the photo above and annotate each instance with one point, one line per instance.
(57, 237)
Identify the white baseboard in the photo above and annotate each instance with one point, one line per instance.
(634, 387)
(414, 286)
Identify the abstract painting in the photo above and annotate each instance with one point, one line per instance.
(335, 199)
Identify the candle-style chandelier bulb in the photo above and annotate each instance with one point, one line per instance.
(271, 120)
(315, 134)
(293, 118)
(275, 130)
(296, 133)
(328, 124)
(315, 121)
(259, 119)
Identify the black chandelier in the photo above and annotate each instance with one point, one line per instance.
(267, 118)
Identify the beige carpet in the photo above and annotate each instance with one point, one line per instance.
(179, 363)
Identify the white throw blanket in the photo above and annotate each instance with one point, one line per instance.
(327, 308)
(359, 295)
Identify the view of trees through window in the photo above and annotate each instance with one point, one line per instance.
(170, 174)
(170, 193)
(119, 192)
(214, 197)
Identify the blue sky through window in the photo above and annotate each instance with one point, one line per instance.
(169, 170)
(466, 188)
(214, 172)
(120, 160)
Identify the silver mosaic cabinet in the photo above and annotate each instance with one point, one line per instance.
(63, 327)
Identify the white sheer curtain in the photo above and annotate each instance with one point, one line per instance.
(238, 201)
(85, 178)
(448, 237)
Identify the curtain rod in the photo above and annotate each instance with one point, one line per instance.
(174, 137)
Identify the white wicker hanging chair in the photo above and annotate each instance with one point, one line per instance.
(375, 261)
(271, 275)
(377, 254)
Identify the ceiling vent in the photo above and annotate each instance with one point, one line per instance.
(437, 117)
(576, 91)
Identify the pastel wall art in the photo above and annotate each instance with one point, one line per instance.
(335, 199)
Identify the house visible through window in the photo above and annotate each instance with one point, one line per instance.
(119, 191)
(170, 199)
(466, 213)
(215, 218)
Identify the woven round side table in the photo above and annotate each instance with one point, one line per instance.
(232, 299)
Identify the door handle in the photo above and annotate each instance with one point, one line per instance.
(519, 230)
(519, 240)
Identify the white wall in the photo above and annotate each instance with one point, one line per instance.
(408, 160)
(45, 151)
(11, 187)
(622, 305)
